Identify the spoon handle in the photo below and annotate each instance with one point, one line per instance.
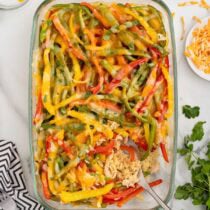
(158, 199)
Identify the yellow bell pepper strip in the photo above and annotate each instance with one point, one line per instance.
(150, 82)
(68, 101)
(46, 96)
(72, 29)
(100, 72)
(87, 119)
(76, 67)
(151, 32)
(86, 179)
(96, 14)
(64, 34)
(52, 153)
(39, 107)
(126, 70)
(170, 91)
(67, 197)
(45, 186)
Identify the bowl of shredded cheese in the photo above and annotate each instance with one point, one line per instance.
(197, 49)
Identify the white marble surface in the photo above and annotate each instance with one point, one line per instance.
(15, 32)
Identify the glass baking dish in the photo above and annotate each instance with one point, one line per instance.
(167, 171)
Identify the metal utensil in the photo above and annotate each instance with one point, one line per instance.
(145, 185)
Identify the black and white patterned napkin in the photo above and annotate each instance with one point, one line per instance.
(13, 192)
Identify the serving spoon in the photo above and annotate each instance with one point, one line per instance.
(145, 185)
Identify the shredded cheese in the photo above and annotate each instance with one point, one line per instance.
(197, 19)
(183, 28)
(199, 49)
(202, 4)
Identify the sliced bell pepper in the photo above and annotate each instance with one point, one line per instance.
(99, 69)
(76, 67)
(137, 191)
(151, 32)
(67, 197)
(123, 73)
(85, 118)
(39, 108)
(96, 14)
(45, 186)
(170, 91)
(141, 106)
(77, 52)
(46, 96)
(107, 149)
(130, 150)
(164, 152)
(142, 144)
(150, 81)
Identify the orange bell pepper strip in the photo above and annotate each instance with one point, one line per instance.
(137, 191)
(64, 34)
(100, 71)
(96, 14)
(130, 150)
(45, 185)
(123, 73)
(164, 152)
(141, 106)
(39, 107)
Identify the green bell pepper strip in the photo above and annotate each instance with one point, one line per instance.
(133, 112)
(60, 57)
(109, 67)
(105, 12)
(153, 127)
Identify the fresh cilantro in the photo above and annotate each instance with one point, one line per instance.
(199, 188)
(190, 112)
(197, 131)
(87, 94)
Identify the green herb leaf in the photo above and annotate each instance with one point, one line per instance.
(190, 112)
(208, 151)
(184, 192)
(197, 131)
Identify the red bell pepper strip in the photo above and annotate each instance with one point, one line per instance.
(64, 34)
(99, 69)
(155, 53)
(106, 150)
(137, 191)
(141, 107)
(166, 61)
(130, 150)
(45, 185)
(164, 152)
(109, 105)
(49, 139)
(142, 144)
(116, 196)
(123, 73)
(39, 107)
(96, 14)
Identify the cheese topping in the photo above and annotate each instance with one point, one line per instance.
(199, 49)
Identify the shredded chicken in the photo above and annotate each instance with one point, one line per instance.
(118, 165)
(151, 163)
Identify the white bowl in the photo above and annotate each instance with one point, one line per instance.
(198, 71)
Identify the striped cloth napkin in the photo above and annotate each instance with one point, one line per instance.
(13, 192)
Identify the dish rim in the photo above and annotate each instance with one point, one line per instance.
(175, 90)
